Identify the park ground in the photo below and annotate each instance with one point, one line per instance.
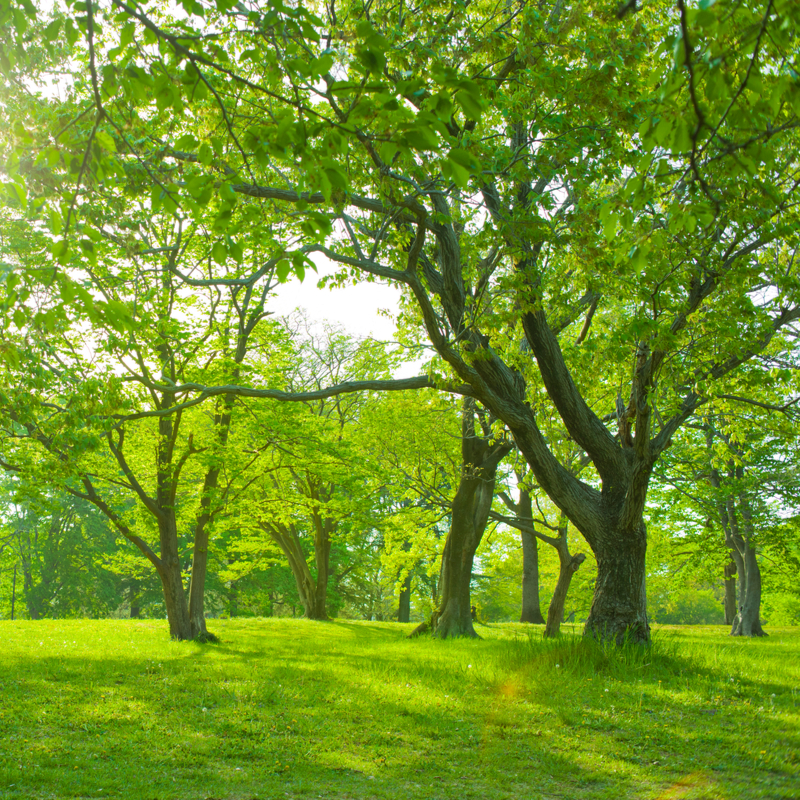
(297, 709)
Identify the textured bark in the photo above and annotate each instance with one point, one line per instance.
(568, 566)
(205, 515)
(619, 605)
(531, 610)
(470, 514)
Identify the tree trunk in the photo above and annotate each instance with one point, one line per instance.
(404, 607)
(172, 580)
(322, 557)
(470, 515)
(730, 592)
(287, 538)
(208, 506)
(133, 599)
(747, 621)
(619, 605)
(568, 566)
(531, 610)
(455, 617)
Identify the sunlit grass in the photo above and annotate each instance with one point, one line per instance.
(285, 708)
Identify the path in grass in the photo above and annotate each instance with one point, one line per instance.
(290, 708)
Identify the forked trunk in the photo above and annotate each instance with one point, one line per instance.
(568, 566)
(619, 605)
(747, 621)
(308, 589)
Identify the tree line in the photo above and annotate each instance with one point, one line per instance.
(591, 212)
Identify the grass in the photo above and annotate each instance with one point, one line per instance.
(291, 709)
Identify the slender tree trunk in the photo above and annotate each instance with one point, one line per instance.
(568, 566)
(208, 505)
(133, 599)
(470, 515)
(172, 579)
(619, 605)
(322, 557)
(730, 592)
(13, 592)
(404, 607)
(531, 610)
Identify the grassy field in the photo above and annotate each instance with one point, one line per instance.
(285, 708)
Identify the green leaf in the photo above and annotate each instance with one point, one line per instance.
(282, 269)
(219, 253)
(470, 104)
(106, 141)
(206, 154)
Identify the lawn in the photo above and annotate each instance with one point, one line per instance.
(291, 708)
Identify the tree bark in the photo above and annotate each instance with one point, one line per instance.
(288, 539)
(730, 592)
(470, 515)
(531, 609)
(619, 605)
(172, 579)
(738, 539)
(748, 618)
(568, 566)
(404, 606)
(133, 599)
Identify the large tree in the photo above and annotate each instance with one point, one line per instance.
(512, 167)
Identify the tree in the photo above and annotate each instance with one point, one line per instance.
(89, 424)
(62, 549)
(515, 168)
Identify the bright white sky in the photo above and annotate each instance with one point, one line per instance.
(355, 308)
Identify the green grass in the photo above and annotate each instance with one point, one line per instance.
(288, 709)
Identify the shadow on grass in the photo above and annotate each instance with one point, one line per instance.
(343, 709)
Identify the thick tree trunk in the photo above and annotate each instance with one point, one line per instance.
(619, 605)
(531, 610)
(748, 621)
(730, 592)
(455, 617)
(568, 566)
